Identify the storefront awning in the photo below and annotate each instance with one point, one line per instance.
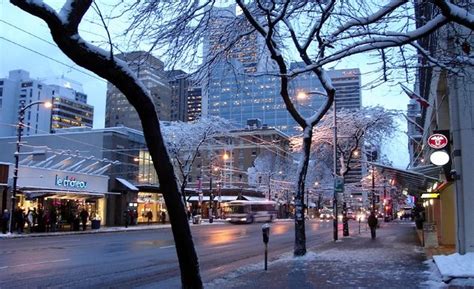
(414, 182)
(61, 194)
(227, 198)
(127, 184)
(196, 199)
(249, 198)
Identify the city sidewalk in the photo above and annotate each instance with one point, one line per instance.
(393, 260)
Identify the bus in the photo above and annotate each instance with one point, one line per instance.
(251, 211)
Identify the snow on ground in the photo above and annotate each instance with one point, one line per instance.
(455, 265)
(442, 270)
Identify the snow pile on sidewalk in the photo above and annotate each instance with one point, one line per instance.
(455, 265)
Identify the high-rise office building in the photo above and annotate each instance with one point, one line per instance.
(194, 103)
(242, 85)
(179, 83)
(70, 108)
(242, 97)
(150, 70)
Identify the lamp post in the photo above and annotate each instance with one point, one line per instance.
(211, 197)
(334, 119)
(21, 116)
(373, 189)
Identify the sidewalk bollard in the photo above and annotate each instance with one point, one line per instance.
(266, 235)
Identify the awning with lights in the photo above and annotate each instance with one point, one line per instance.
(412, 181)
(61, 194)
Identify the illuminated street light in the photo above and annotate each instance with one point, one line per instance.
(20, 125)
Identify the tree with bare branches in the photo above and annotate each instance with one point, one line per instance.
(185, 141)
(318, 33)
(64, 30)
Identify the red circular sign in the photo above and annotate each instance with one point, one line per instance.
(437, 141)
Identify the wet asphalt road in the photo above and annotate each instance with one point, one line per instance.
(140, 259)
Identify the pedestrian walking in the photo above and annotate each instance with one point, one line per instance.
(131, 214)
(41, 220)
(149, 216)
(53, 219)
(372, 221)
(29, 220)
(126, 218)
(19, 220)
(163, 217)
(84, 216)
(5, 219)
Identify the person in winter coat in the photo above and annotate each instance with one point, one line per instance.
(163, 217)
(372, 221)
(53, 219)
(84, 216)
(19, 220)
(5, 219)
(126, 217)
(29, 220)
(149, 216)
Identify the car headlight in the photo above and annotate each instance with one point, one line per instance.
(243, 219)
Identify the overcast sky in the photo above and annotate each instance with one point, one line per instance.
(25, 43)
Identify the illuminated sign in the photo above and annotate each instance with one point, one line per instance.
(437, 141)
(439, 158)
(430, 196)
(69, 182)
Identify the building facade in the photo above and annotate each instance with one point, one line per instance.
(111, 153)
(70, 108)
(194, 103)
(179, 84)
(448, 215)
(150, 70)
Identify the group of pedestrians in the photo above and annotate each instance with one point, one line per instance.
(131, 217)
(40, 220)
(32, 220)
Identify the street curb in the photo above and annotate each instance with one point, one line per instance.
(100, 231)
(204, 222)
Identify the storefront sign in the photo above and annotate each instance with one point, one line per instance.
(70, 182)
(439, 158)
(430, 196)
(437, 141)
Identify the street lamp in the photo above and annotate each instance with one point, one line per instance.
(21, 116)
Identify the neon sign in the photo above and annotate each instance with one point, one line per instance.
(70, 182)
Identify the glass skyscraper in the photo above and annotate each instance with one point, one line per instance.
(244, 84)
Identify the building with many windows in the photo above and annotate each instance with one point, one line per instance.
(150, 70)
(179, 83)
(194, 103)
(70, 108)
(241, 84)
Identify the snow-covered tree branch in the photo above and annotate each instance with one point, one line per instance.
(64, 30)
(185, 141)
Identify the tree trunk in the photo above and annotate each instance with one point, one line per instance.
(65, 35)
(300, 233)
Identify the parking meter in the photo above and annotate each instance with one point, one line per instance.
(266, 232)
(266, 236)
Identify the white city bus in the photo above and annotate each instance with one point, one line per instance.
(251, 211)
